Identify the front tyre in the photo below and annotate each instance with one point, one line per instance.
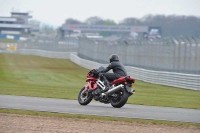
(120, 98)
(84, 97)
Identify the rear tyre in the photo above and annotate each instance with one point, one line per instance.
(84, 96)
(120, 98)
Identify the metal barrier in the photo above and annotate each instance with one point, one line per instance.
(43, 53)
(171, 55)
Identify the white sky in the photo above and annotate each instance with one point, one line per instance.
(55, 12)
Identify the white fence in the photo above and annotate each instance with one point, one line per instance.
(187, 81)
(43, 53)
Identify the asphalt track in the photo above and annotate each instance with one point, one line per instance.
(100, 109)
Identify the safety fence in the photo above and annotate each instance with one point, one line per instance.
(181, 55)
(50, 44)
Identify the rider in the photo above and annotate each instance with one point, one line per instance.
(118, 71)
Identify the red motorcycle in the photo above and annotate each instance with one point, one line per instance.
(117, 95)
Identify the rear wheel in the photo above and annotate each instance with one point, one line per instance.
(120, 98)
(84, 97)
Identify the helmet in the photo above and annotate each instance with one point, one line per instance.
(114, 57)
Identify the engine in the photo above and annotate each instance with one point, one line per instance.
(96, 94)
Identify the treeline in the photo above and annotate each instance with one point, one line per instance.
(171, 25)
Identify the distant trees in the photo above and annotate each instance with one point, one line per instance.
(130, 22)
(172, 25)
(72, 21)
(48, 30)
(43, 28)
(34, 22)
(94, 21)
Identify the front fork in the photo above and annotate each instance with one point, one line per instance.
(89, 87)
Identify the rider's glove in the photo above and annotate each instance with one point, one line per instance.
(100, 74)
(95, 73)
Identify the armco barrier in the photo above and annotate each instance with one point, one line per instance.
(187, 81)
(43, 53)
(12, 37)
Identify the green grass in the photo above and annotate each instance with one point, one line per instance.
(41, 77)
(91, 117)
(7, 40)
(61, 78)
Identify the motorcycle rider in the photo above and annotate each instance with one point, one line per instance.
(118, 71)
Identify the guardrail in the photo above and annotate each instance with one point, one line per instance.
(43, 53)
(186, 81)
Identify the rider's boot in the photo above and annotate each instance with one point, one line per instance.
(107, 84)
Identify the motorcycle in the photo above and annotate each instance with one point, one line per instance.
(117, 95)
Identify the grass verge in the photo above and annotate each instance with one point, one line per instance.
(90, 117)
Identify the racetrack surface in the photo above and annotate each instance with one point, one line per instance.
(100, 109)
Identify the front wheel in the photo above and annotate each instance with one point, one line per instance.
(84, 97)
(120, 98)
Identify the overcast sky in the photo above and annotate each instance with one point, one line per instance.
(55, 12)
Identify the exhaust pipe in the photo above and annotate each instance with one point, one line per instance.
(113, 90)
